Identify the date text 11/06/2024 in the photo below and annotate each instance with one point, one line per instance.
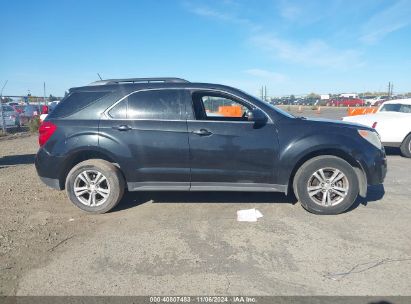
(202, 299)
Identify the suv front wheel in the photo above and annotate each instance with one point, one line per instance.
(326, 185)
(95, 185)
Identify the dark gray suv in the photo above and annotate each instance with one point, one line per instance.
(170, 134)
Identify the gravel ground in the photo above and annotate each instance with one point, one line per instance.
(190, 243)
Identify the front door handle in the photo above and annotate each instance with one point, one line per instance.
(122, 128)
(202, 132)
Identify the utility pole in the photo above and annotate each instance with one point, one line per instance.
(263, 93)
(44, 93)
(3, 121)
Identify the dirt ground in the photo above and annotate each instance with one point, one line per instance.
(190, 243)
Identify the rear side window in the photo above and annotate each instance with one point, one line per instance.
(151, 104)
(75, 102)
(119, 111)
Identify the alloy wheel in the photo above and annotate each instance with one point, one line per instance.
(328, 187)
(91, 188)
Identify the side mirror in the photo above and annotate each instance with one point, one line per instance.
(257, 116)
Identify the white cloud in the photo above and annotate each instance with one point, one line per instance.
(206, 11)
(387, 21)
(290, 12)
(312, 53)
(266, 75)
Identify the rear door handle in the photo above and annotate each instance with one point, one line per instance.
(122, 128)
(202, 132)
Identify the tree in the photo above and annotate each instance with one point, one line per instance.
(313, 96)
(52, 98)
(6, 99)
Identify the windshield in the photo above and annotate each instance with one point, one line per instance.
(396, 107)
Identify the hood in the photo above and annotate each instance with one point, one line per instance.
(336, 123)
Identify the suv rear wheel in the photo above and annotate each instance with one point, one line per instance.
(95, 185)
(326, 185)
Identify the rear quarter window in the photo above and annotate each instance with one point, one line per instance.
(74, 102)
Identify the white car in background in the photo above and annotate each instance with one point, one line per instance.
(376, 101)
(11, 117)
(392, 121)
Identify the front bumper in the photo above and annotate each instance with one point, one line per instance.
(376, 168)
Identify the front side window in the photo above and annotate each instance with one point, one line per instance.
(150, 104)
(216, 106)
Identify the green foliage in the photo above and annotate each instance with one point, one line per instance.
(6, 99)
(34, 124)
(52, 98)
(313, 96)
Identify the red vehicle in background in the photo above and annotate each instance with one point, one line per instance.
(19, 108)
(346, 102)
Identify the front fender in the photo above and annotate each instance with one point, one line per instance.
(299, 149)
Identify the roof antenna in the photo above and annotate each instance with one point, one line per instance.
(99, 76)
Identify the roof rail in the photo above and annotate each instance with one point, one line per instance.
(139, 80)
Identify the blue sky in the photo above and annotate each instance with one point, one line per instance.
(292, 47)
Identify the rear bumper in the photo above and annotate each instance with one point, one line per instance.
(49, 169)
(392, 144)
(51, 182)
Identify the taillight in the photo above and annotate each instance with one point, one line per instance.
(45, 131)
(374, 125)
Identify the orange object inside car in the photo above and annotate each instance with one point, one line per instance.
(230, 111)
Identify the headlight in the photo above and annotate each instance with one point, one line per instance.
(372, 137)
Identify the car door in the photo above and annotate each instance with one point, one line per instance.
(228, 152)
(148, 131)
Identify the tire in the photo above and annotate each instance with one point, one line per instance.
(338, 203)
(107, 192)
(406, 147)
